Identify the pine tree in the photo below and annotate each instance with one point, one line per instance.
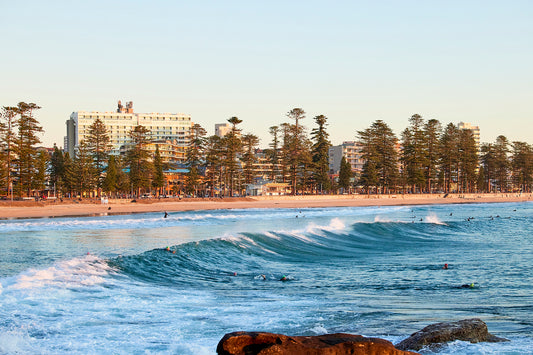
(522, 166)
(39, 177)
(195, 157)
(7, 143)
(294, 147)
(379, 152)
(274, 153)
(432, 131)
(24, 148)
(68, 176)
(110, 182)
(320, 153)
(84, 176)
(250, 141)
(414, 157)
(233, 147)
(57, 170)
(345, 173)
(98, 145)
(501, 161)
(213, 162)
(137, 159)
(448, 161)
(467, 161)
(159, 176)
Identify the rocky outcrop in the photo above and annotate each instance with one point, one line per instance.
(258, 343)
(435, 335)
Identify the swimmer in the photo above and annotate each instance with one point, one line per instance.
(445, 266)
(451, 213)
(166, 214)
(468, 285)
(167, 248)
(264, 277)
(283, 278)
(234, 274)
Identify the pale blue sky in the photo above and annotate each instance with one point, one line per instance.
(353, 61)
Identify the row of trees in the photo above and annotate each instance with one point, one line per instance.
(426, 158)
(429, 158)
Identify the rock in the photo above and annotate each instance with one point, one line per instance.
(258, 343)
(473, 330)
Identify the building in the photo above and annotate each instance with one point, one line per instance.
(474, 129)
(170, 151)
(175, 127)
(221, 129)
(351, 151)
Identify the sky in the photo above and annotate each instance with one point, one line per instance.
(353, 61)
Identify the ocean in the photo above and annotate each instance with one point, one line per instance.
(108, 284)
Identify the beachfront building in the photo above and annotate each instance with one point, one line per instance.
(268, 188)
(352, 153)
(173, 127)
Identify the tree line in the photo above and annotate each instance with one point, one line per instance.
(427, 158)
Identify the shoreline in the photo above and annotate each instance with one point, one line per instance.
(87, 208)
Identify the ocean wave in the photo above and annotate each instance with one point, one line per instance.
(77, 272)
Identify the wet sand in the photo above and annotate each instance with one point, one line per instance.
(51, 209)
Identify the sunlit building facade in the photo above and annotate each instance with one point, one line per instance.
(172, 127)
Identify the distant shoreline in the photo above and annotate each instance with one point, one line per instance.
(50, 209)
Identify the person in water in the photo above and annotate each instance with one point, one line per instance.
(283, 278)
(445, 266)
(468, 285)
(166, 214)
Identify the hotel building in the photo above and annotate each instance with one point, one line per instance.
(172, 127)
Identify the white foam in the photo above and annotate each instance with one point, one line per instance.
(319, 330)
(84, 271)
(432, 218)
(13, 342)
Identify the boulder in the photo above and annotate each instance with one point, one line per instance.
(473, 330)
(258, 343)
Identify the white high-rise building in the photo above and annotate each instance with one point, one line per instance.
(163, 126)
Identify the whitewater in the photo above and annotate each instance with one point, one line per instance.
(141, 283)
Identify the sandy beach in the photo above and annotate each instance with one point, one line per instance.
(50, 209)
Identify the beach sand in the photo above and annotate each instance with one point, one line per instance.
(50, 209)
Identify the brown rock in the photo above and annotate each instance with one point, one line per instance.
(473, 330)
(257, 343)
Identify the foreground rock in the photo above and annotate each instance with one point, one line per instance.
(473, 330)
(257, 343)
